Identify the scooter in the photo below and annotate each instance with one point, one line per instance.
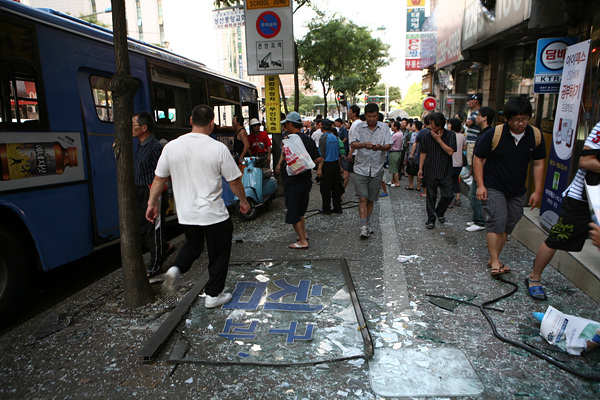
(260, 186)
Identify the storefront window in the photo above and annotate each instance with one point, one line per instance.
(520, 68)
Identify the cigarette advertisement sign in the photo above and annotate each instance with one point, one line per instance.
(549, 62)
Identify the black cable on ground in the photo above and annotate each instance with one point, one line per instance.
(530, 349)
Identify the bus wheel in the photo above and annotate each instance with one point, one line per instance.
(252, 212)
(13, 272)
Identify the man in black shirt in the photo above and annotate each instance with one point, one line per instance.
(501, 184)
(435, 167)
(297, 187)
(145, 158)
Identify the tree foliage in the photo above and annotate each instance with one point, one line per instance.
(307, 103)
(413, 101)
(342, 56)
(393, 91)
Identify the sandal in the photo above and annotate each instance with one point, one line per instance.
(409, 188)
(499, 271)
(537, 291)
(506, 268)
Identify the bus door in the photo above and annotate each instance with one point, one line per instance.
(96, 104)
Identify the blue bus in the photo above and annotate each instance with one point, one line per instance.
(58, 191)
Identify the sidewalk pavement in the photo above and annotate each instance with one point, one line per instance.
(93, 352)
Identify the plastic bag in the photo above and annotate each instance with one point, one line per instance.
(297, 158)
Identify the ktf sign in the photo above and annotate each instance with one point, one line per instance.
(269, 37)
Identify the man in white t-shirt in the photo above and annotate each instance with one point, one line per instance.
(196, 162)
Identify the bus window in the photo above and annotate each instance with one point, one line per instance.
(19, 106)
(224, 114)
(102, 97)
(171, 95)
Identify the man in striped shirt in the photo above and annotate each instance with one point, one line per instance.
(435, 168)
(145, 158)
(571, 230)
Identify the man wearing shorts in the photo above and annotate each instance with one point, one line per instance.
(297, 187)
(371, 139)
(571, 230)
(501, 184)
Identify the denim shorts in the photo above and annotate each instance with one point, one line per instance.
(501, 213)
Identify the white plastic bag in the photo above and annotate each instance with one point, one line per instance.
(297, 158)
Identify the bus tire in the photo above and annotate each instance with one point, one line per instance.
(13, 272)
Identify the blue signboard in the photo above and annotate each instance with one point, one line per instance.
(549, 63)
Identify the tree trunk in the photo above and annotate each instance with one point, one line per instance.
(135, 283)
(296, 80)
(325, 91)
(283, 98)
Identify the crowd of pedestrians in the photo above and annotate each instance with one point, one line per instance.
(434, 155)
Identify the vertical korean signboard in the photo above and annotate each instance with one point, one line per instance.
(269, 37)
(565, 128)
(272, 107)
(415, 17)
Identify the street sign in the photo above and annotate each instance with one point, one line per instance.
(429, 103)
(372, 99)
(269, 37)
(268, 24)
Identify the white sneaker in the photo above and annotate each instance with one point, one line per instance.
(371, 231)
(470, 223)
(468, 181)
(475, 228)
(216, 301)
(364, 232)
(172, 276)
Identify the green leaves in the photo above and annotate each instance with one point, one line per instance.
(341, 56)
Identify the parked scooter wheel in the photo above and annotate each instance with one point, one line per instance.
(252, 212)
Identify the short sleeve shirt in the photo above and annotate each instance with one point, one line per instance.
(369, 162)
(506, 167)
(259, 144)
(577, 187)
(397, 140)
(196, 163)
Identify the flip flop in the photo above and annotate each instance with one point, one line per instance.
(498, 271)
(506, 268)
(536, 292)
(296, 246)
(409, 188)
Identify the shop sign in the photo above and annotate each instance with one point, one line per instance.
(415, 3)
(565, 129)
(413, 45)
(412, 64)
(449, 32)
(269, 37)
(479, 25)
(228, 18)
(426, 84)
(549, 61)
(415, 17)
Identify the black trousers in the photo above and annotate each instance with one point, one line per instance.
(151, 234)
(331, 186)
(432, 185)
(218, 244)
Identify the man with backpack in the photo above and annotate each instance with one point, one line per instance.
(507, 152)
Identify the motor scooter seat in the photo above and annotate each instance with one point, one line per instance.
(266, 173)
